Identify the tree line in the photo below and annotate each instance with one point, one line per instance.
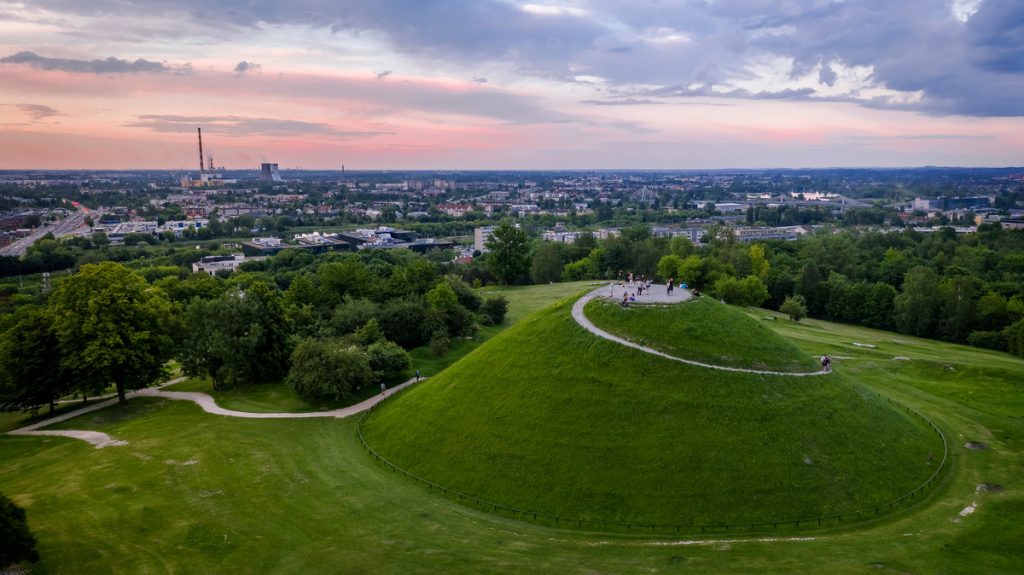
(327, 325)
(963, 288)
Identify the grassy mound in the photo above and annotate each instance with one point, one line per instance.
(550, 418)
(702, 330)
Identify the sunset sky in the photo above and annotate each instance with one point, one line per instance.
(503, 84)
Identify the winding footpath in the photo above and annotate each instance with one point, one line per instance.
(660, 297)
(203, 400)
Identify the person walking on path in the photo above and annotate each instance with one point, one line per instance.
(383, 388)
(417, 376)
(826, 363)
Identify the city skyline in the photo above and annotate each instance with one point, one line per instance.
(511, 85)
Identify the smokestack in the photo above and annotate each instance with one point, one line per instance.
(200, 150)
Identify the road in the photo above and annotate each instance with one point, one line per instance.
(67, 226)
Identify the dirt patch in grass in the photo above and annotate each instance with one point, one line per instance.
(990, 487)
(976, 445)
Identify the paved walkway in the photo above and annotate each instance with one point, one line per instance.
(658, 297)
(203, 400)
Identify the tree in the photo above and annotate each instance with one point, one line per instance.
(323, 370)
(112, 328)
(17, 543)
(30, 362)
(754, 291)
(759, 266)
(669, 266)
(728, 288)
(917, 307)
(494, 309)
(547, 264)
(509, 258)
(240, 337)
(1015, 338)
(369, 334)
(795, 307)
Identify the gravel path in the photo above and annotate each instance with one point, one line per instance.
(205, 401)
(608, 292)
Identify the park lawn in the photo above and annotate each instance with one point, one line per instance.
(702, 330)
(198, 493)
(527, 424)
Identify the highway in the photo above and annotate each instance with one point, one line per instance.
(67, 226)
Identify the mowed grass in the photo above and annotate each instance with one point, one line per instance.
(702, 330)
(198, 493)
(549, 418)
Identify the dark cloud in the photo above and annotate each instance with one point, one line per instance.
(917, 47)
(243, 67)
(827, 75)
(108, 66)
(243, 126)
(38, 111)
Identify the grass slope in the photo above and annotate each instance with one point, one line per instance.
(550, 418)
(702, 330)
(303, 497)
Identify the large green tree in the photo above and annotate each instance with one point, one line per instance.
(113, 328)
(509, 257)
(547, 264)
(31, 374)
(917, 307)
(240, 337)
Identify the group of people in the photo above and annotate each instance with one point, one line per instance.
(641, 283)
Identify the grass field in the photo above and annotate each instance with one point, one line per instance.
(197, 493)
(702, 330)
(608, 433)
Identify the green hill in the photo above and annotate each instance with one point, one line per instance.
(550, 418)
(702, 330)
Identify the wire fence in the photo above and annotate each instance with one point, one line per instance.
(714, 527)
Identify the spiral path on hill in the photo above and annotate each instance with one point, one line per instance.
(658, 294)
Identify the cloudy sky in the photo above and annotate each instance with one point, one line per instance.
(482, 84)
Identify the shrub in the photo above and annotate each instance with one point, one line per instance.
(387, 359)
(795, 307)
(988, 339)
(439, 343)
(495, 309)
(467, 297)
(322, 370)
(17, 543)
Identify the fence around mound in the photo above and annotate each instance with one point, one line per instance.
(540, 517)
